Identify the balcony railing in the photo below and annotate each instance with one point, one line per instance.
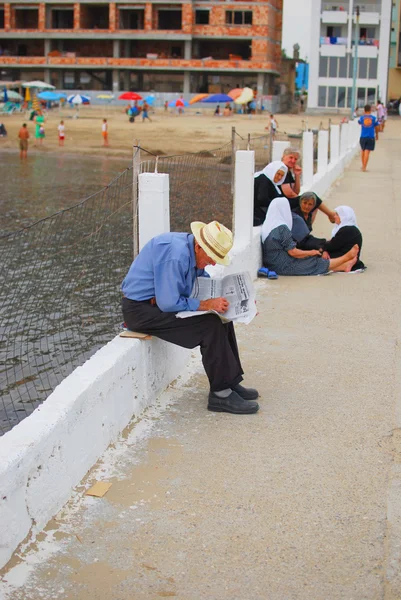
(344, 6)
(324, 41)
(173, 63)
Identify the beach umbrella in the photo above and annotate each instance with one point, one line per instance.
(235, 93)
(78, 99)
(108, 97)
(218, 98)
(39, 85)
(51, 96)
(150, 99)
(130, 96)
(246, 96)
(14, 96)
(198, 98)
(5, 95)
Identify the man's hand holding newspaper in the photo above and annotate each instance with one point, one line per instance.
(232, 298)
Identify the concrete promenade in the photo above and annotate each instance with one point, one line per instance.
(301, 501)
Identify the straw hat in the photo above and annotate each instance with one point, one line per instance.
(215, 239)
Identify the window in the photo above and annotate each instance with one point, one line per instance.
(322, 95)
(333, 65)
(332, 97)
(334, 31)
(132, 18)
(169, 19)
(371, 96)
(323, 66)
(342, 72)
(238, 17)
(341, 97)
(363, 68)
(349, 97)
(1, 18)
(202, 17)
(350, 66)
(361, 97)
(373, 68)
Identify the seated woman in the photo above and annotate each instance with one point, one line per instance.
(345, 235)
(280, 253)
(306, 207)
(266, 188)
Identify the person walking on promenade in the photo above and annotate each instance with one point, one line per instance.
(369, 131)
(105, 133)
(23, 136)
(159, 284)
(380, 115)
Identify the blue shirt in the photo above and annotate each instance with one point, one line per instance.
(165, 269)
(368, 122)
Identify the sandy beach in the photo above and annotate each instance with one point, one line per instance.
(167, 134)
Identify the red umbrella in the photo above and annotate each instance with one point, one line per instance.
(130, 96)
(180, 102)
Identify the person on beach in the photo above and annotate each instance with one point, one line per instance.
(273, 126)
(61, 133)
(105, 133)
(217, 111)
(369, 132)
(40, 128)
(23, 136)
(281, 255)
(159, 284)
(145, 112)
(345, 235)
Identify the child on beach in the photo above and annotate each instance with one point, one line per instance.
(369, 131)
(105, 133)
(23, 137)
(145, 113)
(61, 133)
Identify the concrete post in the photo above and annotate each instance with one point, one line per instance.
(188, 50)
(344, 139)
(116, 80)
(278, 149)
(127, 81)
(47, 48)
(307, 159)
(334, 143)
(243, 196)
(187, 82)
(153, 206)
(116, 48)
(46, 77)
(260, 84)
(322, 152)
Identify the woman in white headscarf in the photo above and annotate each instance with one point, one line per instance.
(345, 235)
(266, 188)
(281, 255)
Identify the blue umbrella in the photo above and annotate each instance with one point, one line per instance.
(78, 99)
(51, 96)
(5, 98)
(218, 98)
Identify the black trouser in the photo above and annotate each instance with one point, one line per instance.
(216, 339)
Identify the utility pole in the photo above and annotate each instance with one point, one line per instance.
(356, 44)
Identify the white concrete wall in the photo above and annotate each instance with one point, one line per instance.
(47, 454)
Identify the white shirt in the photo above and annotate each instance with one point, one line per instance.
(104, 127)
(61, 130)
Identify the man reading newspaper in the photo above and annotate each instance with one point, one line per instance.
(159, 284)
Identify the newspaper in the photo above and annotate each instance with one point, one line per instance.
(237, 289)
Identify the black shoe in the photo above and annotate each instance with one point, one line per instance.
(246, 393)
(232, 404)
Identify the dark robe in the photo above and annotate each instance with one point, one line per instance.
(342, 242)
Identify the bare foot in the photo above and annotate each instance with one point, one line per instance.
(354, 251)
(348, 265)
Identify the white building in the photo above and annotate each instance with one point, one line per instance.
(332, 51)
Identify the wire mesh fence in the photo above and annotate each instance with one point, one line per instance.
(59, 294)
